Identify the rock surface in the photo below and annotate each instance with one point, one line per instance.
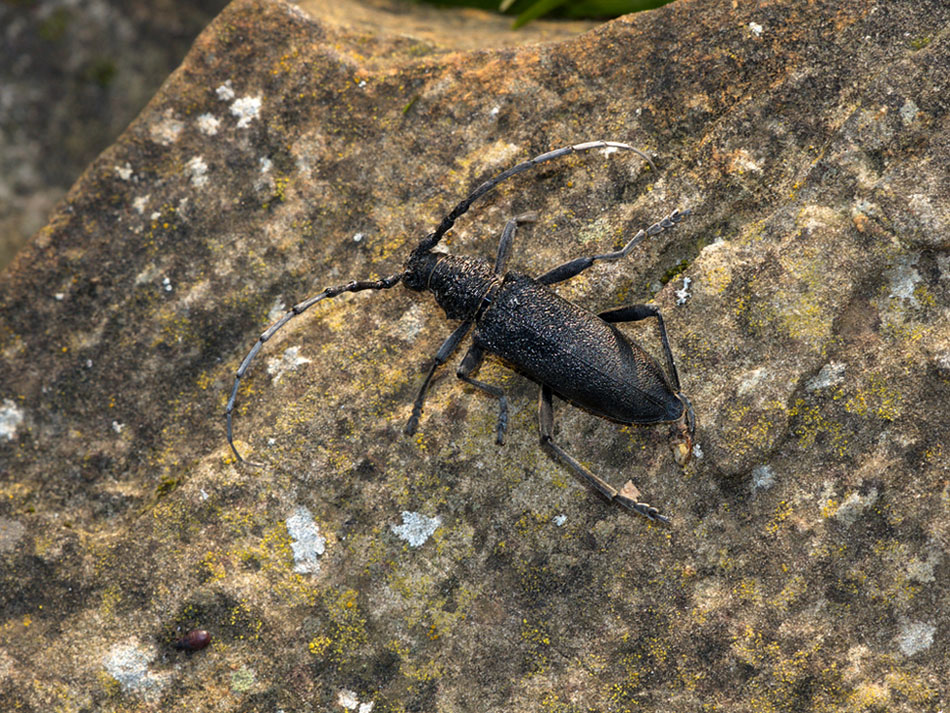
(72, 76)
(807, 300)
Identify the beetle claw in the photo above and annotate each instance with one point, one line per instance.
(629, 497)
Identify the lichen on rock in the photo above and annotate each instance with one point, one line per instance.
(806, 300)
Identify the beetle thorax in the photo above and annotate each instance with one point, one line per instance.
(458, 283)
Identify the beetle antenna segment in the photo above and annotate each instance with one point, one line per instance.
(448, 221)
(300, 308)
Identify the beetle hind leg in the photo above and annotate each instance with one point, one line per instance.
(470, 363)
(635, 313)
(626, 497)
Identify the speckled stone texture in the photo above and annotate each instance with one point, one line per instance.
(73, 74)
(808, 305)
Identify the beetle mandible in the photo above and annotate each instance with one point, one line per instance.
(578, 355)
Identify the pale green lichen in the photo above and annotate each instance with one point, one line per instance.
(243, 680)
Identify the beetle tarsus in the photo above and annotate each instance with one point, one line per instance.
(645, 509)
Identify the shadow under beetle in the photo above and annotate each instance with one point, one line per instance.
(578, 355)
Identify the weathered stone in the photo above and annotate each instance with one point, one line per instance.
(805, 566)
(72, 76)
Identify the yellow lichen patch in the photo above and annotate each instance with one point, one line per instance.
(274, 549)
(878, 398)
(791, 592)
(658, 649)
(829, 508)
(779, 515)
(339, 460)
(111, 596)
(531, 523)
(747, 590)
(239, 522)
(914, 688)
(171, 518)
(335, 314)
(241, 616)
(716, 279)
(621, 692)
(924, 296)
(348, 625)
(319, 645)
(749, 647)
(109, 685)
(893, 581)
(534, 635)
(174, 329)
(753, 233)
(868, 696)
(280, 190)
(43, 543)
(746, 430)
(810, 422)
(779, 677)
(912, 334)
(806, 319)
(213, 566)
(204, 380)
(286, 63)
(428, 669)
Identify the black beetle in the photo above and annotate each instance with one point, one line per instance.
(578, 355)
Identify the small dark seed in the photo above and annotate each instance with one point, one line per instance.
(194, 640)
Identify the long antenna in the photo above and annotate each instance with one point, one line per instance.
(431, 240)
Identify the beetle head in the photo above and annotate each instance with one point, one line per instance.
(681, 433)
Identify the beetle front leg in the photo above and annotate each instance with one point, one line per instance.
(627, 497)
(507, 236)
(445, 351)
(470, 363)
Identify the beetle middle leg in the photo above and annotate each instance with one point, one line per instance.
(573, 268)
(546, 425)
(634, 313)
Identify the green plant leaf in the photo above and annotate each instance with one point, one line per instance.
(536, 10)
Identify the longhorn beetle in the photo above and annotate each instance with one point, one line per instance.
(580, 356)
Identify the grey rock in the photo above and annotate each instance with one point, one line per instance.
(818, 200)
